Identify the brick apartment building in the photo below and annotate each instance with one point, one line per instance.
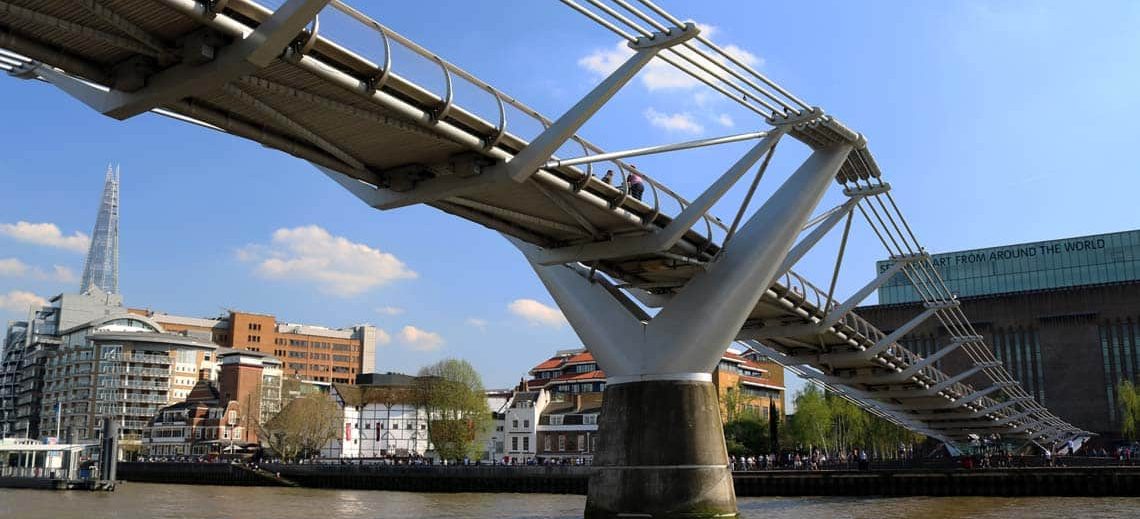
(312, 353)
(563, 401)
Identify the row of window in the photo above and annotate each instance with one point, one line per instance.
(255, 326)
(581, 445)
(1020, 351)
(525, 443)
(1120, 351)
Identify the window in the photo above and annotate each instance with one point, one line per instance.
(590, 419)
(561, 442)
(526, 443)
(546, 443)
(555, 420)
(526, 424)
(514, 443)
(514, 424)
(581, 443)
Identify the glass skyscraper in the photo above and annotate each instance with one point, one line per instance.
(102, 267)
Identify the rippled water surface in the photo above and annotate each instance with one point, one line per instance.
(139, 500)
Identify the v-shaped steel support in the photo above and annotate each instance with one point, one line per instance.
(688, 336)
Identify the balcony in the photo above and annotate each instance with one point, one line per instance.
(137, 358)
(134, 384)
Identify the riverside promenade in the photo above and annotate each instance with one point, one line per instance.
(1088, 481)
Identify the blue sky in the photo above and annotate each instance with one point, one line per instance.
(995, 123)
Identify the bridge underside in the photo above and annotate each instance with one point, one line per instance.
(272, 78)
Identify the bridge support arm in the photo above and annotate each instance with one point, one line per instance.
(669, 236)
(942, 352)
(843, 309)
(712, 307)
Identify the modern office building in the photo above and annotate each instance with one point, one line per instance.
(310, 352)
(1063, 315)
(26, 349)
(122, 367)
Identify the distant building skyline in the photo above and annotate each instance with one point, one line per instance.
(101, 269)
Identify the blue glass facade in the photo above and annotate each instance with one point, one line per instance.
(1086, 260)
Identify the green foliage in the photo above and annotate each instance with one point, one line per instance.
(747, 435)
(832, 423)
(458, 418)
(812, 423)
(1128, 400)
(303, 427)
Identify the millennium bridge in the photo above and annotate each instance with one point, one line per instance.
(654, 284)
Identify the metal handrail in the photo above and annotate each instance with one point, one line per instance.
(501, 98)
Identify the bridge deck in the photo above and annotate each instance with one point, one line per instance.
(323, 103)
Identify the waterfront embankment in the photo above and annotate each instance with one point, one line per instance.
(1010, 482)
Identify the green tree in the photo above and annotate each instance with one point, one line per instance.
(747, 435)
(812, 423)
(458, 418)
(849, 423)
(1128, 400)
(303, 427)
(733, 403)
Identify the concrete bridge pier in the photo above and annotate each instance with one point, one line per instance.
(661, 450)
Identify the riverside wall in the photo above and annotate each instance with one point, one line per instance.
(1059, 481)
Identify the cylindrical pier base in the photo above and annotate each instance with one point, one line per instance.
(661, 453)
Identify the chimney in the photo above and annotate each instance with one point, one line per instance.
(577, 403)
(204, 374)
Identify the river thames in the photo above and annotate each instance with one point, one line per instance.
(141, 500)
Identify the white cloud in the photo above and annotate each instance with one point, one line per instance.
(335, 264)
(13, 267)
(725, 120)
(481, 324)
(420, 340)
(47, 234)
(659, 75)
(20, 301)
(678, 122)
(537, 313)
(63, 274)
(383, 337)
(389, 310)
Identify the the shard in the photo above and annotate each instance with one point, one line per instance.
(102, 267)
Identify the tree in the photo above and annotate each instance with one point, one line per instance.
(303, 427)
(733, 403)
(747, 435)
(1128, 400)
(812, 423)
(849, 423)
(458, 418)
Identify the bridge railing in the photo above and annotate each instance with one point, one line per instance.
(661, 199)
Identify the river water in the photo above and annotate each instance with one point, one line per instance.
(141, 500)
